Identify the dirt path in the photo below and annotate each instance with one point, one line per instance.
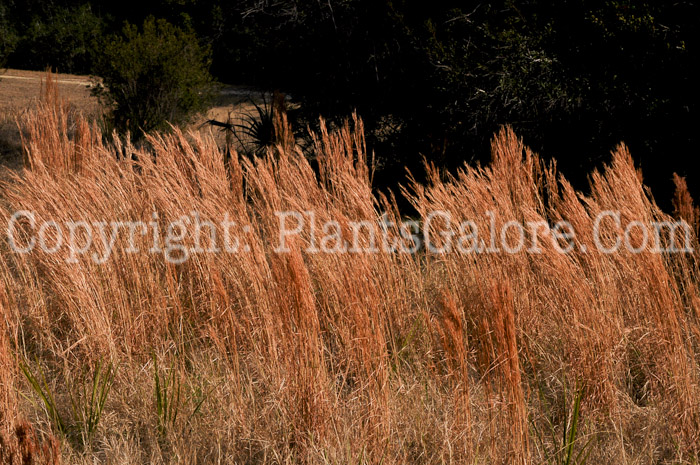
(76, 81)
(20, 90)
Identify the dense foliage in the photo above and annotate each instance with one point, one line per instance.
(573, 77)
(153, 77)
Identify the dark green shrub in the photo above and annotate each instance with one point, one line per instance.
(8, 35)
(65, 39)
(153, 77)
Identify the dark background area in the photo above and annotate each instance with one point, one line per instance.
(431, 79)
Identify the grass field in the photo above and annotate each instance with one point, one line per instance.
(269, 356)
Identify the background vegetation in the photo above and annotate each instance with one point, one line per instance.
(152, 76)
(573, 77)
